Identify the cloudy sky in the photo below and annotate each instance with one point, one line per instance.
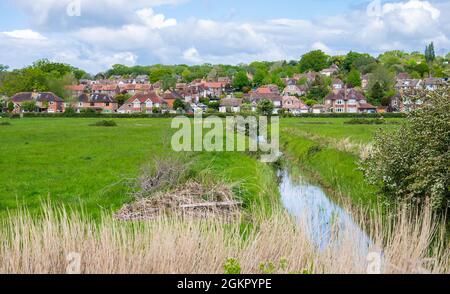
(95, 34)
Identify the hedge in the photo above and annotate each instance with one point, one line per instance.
(167, 115)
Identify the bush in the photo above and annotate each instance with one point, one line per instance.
(105, 123)
(412, 163)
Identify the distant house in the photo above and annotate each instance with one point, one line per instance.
(403, 76)
(318, 109)
(76, 90)
(142, 79)
(170, 97)
(337, 84)
(293, 90)
(408, 85)
(109, 89)
(330, 71)
(257, 96)
(348, 101)
(143, 103)
(294, 105)
(102, 103)
(432, 84)
(45, 101)
(404, 103)
(133, 89)
(215, 89)
(230, 105)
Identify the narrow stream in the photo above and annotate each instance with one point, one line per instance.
(327, 222)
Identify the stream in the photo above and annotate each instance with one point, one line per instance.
(327, 223)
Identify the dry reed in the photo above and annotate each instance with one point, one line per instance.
(407, 243)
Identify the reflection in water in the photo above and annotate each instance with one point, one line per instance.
(326, 221)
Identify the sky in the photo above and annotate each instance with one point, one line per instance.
(95, 34)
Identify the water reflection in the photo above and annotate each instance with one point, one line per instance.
(327, 222)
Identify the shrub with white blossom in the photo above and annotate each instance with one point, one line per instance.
(412, 163)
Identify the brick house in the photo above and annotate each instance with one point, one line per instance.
(143, 103)
(294, 105)
(230, 105)
(45, 101)
(170, 97)
(76, 90)
(348, 101)
(101, 103)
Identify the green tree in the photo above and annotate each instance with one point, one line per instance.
(122, 98)
(430, 55)
(259, 77)
(411, 163)
(10, 106)
(266, 107)
(354, 78)
(315, 60)
(179, 104)
(319, 89)
(168, 82)
(241, 81)
(377, 93)
(29, 106)
(3, 68)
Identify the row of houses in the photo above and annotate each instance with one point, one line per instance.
(346, 100)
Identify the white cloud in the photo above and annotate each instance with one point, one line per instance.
(24, 35)
(154, 21)
(147, 37)
(192, 55)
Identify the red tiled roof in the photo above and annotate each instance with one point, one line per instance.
(75, 88)
(213, 85)
(366, 106)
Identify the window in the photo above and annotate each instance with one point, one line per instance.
(92, 104)
(340, 102)
(107, 103)
(352, 101)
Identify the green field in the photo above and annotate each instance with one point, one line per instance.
(67, 161)
(70, 162)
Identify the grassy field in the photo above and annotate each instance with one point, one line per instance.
(70, 162)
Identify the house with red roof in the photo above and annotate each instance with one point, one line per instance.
(76, 90)
(143, 103)
(109, 89)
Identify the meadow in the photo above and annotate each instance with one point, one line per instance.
(71, 162)
(48, 165)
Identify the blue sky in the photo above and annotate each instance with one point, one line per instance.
(197, 31)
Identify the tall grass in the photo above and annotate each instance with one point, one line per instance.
(171, 245)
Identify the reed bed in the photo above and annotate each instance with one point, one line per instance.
(62, 241)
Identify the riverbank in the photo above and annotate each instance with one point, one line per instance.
(328, 152)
